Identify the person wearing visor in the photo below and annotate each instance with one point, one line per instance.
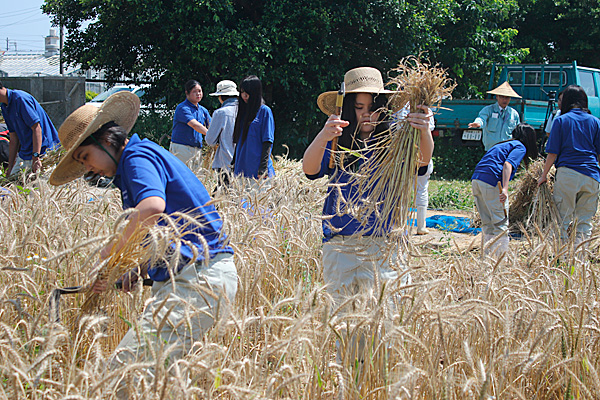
(220, 132)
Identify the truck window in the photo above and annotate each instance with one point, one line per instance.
(515, 77)
(553, 78)
(586, 79)
(533, 78)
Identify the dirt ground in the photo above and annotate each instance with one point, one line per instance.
(437, 239)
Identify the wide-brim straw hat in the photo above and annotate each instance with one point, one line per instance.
(122, 108)
(226, 88)
(504, 90)
(357, 80)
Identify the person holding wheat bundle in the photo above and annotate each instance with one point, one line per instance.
(490, 185)
(574, 147)
(346, 271)
(153, 182)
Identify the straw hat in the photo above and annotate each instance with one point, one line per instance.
(226, 88)
(122, 108)
(504, 90)
(357, 80)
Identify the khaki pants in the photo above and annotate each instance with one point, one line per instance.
(191, 156)
(491, 211)
(576, 197)
(179, 314)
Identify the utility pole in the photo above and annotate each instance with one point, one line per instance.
(60, 51)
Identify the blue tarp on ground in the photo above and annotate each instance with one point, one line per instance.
(449, 223)
(4, 192)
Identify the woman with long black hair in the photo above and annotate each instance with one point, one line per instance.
(254, 132)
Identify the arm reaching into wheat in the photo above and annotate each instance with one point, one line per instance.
(146, 213)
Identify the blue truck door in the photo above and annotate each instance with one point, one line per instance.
(588, 81)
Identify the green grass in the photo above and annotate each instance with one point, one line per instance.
(450, 195)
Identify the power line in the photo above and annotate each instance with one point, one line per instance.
(20, 12)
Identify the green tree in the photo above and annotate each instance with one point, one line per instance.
(473, 35)
(298, 48)
(560, 31)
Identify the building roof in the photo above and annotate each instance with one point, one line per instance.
(31, 64)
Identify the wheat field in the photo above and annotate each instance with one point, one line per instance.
(468, 327)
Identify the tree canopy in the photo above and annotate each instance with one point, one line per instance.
(297, 48)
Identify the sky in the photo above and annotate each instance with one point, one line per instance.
(23, 23)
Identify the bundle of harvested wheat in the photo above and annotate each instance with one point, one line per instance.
(527, 188)
(145, 246)
(208, 155)
(389, 172)
(544, 214)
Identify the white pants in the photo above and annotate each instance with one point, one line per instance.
(494, 215)
(350, 264)
(183, 312)
(191, 156)
(576, 197)
(422, 196)
(350, 267)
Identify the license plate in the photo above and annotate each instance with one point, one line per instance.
(471, 134)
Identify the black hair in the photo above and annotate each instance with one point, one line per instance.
(349, 139)
(189, 85)
(225, 97)
(574, 97)
(525, 134)
(247, 111)
(1, 85)
(115, 135)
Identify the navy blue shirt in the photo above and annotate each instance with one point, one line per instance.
(183, 133)
(247, 153)
(575, 139)
(489, 168)
(21, 113)
(343, 223)
(145, 170)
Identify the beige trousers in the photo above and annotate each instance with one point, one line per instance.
(191, 156)
(179, 313)
(576, 197)
(491, 211)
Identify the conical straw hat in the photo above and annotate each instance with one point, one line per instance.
(504, 90)
(357, 80)
(122, 108)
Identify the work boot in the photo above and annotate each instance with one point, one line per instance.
(421, 216)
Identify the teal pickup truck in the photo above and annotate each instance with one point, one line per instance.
(538, 84)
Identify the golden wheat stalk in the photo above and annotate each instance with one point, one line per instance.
(147, 245)
(386, 179)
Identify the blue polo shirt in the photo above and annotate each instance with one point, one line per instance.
(21, 113)
(341, 223)
(247, 153)
(497, 124)
(145, 169)
(489, 169)
(183, 133)
(575, 139)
